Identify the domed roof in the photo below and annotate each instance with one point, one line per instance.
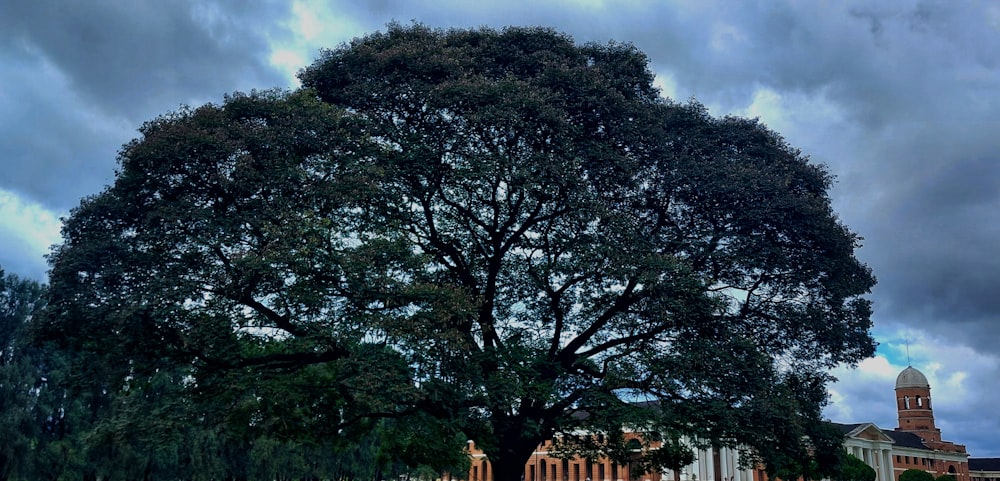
(911, 377)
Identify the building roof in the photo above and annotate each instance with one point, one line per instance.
(863, 431)
(846, 428)
(907, 440)
(911, 377)
(984, 464)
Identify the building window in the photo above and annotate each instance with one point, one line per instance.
(907, 462)
(920, 402)
(899, 459)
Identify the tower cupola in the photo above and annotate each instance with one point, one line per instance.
(913, 405)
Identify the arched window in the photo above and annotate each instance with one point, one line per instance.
(906, 402)
(951, 469)
(920, 402)
(634, 445)
(543, 470)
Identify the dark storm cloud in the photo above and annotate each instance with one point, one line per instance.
(919, 88)
(81, 76)
(969, 422)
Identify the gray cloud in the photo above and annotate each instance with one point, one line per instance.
(84, 75)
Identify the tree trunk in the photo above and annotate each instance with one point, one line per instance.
(5, 468)
(506, 471)
(509, 459)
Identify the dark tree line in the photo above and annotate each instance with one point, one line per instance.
(450, 235)
(60, 419)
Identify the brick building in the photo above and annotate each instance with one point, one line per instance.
(918, 443)
(710, 464)
(915, 443)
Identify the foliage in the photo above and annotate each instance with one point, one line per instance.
(916, 475)
(473, 234)
(945, 477)
(19, 375)
(853, 468)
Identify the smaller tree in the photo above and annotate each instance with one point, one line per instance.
(916, 475)
(945, 477)
(19, 376)
(853, 468)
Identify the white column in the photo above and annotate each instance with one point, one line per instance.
(890, 472)
(881, 465)
(724, 463)
(708, 462)
(701, 468)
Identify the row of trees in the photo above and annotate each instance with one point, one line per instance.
(449, 235)
(921, 475)
(60, 419)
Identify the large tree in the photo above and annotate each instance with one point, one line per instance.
(492, 235)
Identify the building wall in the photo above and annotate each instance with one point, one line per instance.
(709, 465)
(984, 475)
(875, 453)
(869, 443)
(933, 461)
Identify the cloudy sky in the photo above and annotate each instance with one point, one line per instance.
(901, 99)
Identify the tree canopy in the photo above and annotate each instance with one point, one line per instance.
(854, 468)
(916, 475)
(476, 234)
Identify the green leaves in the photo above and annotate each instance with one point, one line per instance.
(20, 374)
(497, 235)
(853, 468)
(915, 475)
(624, 243)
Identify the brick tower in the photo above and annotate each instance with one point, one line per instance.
(913, 403)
